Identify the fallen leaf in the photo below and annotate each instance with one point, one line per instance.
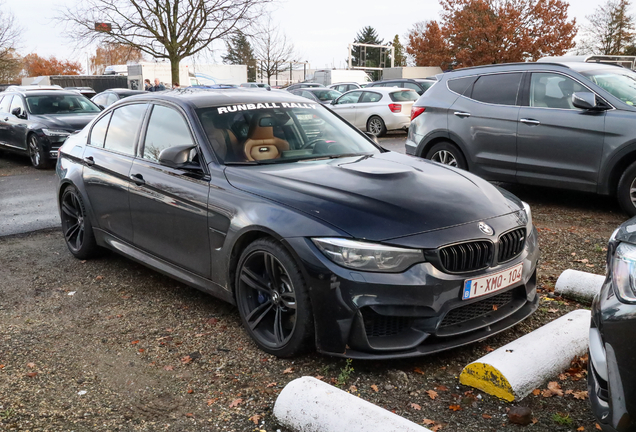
(582, 428)
(353, 389)
(428, 422)
(211, 401)
(135, 342)
(255, 418)
(489, 349)
(567, 392)
(418, 370)
(374, 388)
(187, 359)
(288, 370)
(582, 395)
(455, 407)
(415, 406)
(236, 403)
(495, 307)
(319, 377)
(547, 393)
(441, 388)
(31, 365)
(555, 388)
(189, 415)
(100, 277)
(83, 261)
(432, 394)
(190, 391)
(589, 265)
(536, 392)
(486, 416)
(584, 261)
(535, 420)
(272, 384)
(212, 321)
(141, 350)
(168, 368)
(553, 310)
(1, 366)
(598, 426)
(563, 377)
(31, 374)
(436, 427)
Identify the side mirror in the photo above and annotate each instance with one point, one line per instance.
(584, 100)
(17, 112)
(178, 157)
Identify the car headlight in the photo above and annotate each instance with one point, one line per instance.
(624, 272)
(56, 132)
(526, 208)
(371, 257)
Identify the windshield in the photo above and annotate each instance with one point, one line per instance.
(60, 104)
(326, 95)
(619, 82)
(280, 132)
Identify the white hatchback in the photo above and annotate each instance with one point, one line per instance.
(377, 109)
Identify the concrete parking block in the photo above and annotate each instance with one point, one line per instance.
(578, 285)
(514, 370)
(310, 405)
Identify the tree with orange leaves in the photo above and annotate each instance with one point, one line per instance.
(113, 54)
(478, 32)
(34, 65)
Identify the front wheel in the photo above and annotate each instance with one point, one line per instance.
(76, 227)
(36, 153)
(626, 191)
(447, 154)
(273, 301)
(376, 126)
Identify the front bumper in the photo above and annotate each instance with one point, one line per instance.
(611, 375)
(368, 315)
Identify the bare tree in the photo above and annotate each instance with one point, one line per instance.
(166, 29)
(272, 49)
(610, 29)
(9, 37)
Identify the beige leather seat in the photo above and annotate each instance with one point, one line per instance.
(261, 143)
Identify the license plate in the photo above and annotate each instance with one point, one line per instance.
(492, 282)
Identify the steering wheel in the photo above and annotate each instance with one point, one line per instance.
(313, 143)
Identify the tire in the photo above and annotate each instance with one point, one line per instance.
(376, 126)
(36, 153)
(279, 319)
(447, 153)
(626, 184)
(76, 226)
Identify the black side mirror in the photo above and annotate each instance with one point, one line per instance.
(585, 100)
(17, 112)
(178, 157)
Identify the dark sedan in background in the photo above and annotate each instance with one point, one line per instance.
(320, 237)
(612, 377)
(110, 96)
(37, 122)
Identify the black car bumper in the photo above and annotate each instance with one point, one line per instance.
(611, 374)
(420, 311)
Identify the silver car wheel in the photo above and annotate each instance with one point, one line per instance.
(446, 158)
(34, 151)
(375, 126)
(632, 192)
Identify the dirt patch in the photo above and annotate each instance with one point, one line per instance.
(109, 345)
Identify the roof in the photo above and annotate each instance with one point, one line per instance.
(125, 91)
(46, 92)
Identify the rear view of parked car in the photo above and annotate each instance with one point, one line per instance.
(376, 110)
(318, 94)
(564, 125)
(420, 85)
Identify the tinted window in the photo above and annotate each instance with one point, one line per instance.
(111, 99)
(349, 97)
(415, 87)
(461, 86)
(551, 90)
(404, 96)
(98, 133)
(498, 89)
(5, 104)
(166, 128)
(370, 97)
(123, 128)
(16, 103)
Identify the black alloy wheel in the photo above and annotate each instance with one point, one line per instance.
(36, 152)
(76, 227)
(447, 153)
(272, 299)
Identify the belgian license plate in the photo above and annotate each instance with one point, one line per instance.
(492, 282)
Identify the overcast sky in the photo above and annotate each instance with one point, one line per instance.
(320, 30)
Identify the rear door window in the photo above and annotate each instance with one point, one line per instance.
(370, 97)
(500, 89)
(123, 128)
(349, 98)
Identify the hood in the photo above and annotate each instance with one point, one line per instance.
(378, 197)
(65, 121)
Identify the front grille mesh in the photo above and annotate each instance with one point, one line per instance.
(465, 257)
(376, 325)
(475, 310)
(511, 244)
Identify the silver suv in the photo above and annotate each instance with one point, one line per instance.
(565, 125)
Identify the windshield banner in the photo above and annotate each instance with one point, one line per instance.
(267, 105)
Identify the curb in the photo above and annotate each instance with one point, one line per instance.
(514, 370)
(578, 285)
(309, 405)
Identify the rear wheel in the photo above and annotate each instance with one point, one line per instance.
(76, 227)
(447, 153)
(273, 301)
(626, 191)
(36, 153)
(376, 126)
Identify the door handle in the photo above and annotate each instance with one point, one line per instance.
(138, 179)
(530, 122)
(6, 119)
(461, 114)
(89, 161)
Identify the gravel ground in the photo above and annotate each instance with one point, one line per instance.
(107, 344)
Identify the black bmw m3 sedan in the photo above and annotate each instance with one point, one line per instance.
(321, 238)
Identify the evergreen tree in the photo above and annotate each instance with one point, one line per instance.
(367, 56)
(400, 57)
(610, 30)
(240, 52)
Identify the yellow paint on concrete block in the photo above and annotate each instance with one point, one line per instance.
(488, 379)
